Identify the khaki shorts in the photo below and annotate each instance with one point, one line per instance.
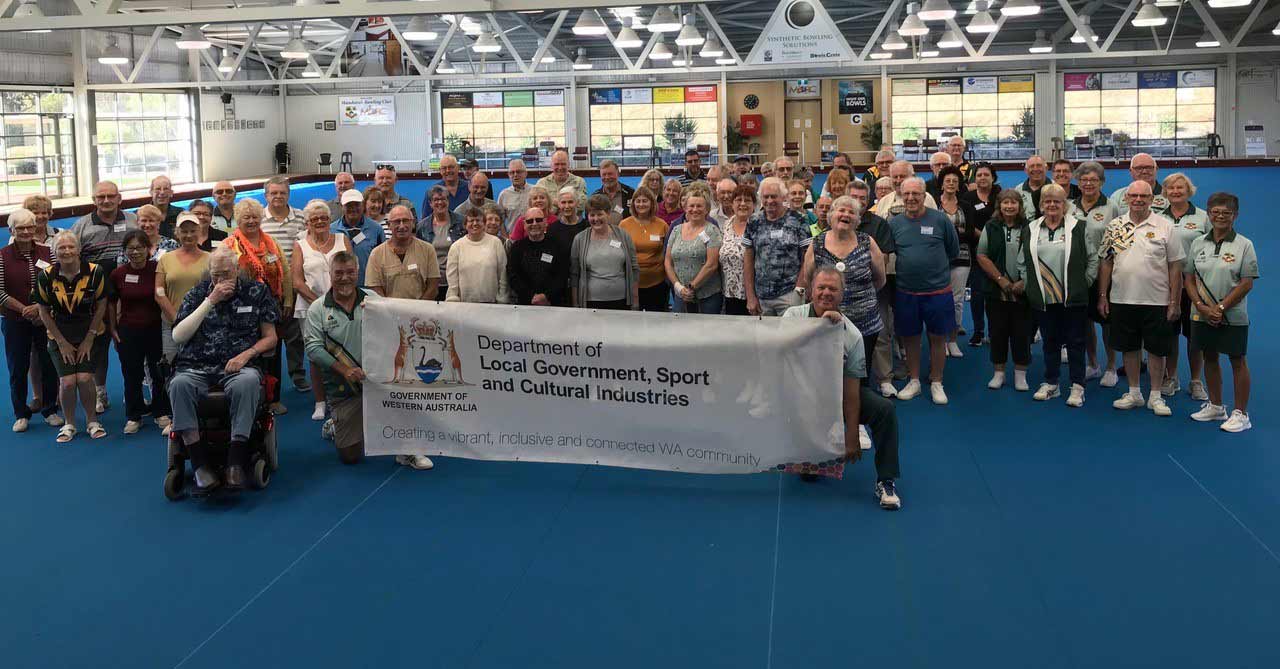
(348, 421)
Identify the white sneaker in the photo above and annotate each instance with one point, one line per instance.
(1197, 391)
(1170, 387)
(20, 425)
(1037, 337)
(1046, 391)
(1091, 373)
(939, 395)
(1076, 398)
(132, 426)
(997, 381)
(1129, 400)
(1109, 379)
(419, 462)
(318, 412)
(1238, 422)
(864, 439)
(887, 493)
(54, 420)
(953, 350)
(888, 390)
(1020, 381)
(1158, 406)
(1209, 412)
(910, 390)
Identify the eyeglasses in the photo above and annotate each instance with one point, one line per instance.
(1222, 213)
(527, 221)
(1143, 168)
(225, 191)
(397, 221)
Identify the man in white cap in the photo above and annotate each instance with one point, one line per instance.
(362, 232)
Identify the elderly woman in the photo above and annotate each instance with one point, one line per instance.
(652, 180)
(733, 250)
(178, 271)
(309, 273)
(1096, 211)
(1008, 314)
(692, 260)
(477, 267)
(604, 272)
(648, 234)
(376, 209)
(135, 327)
(1058, 266)
(495, 224)
(1219, 275)
(537, 270)
(981, 195)
(260, 257)
(404, 266)
(1189, 224)
(71, 294)
(149, 220)
(962, 215)
(441, 228)
(797, 195)
(837, 184)
(571, 223)
(883, 186)
(24, 334)
(207, 236)
(225, 321)
(42, 208)
(670, 207)
(858, 258)
(539, 199)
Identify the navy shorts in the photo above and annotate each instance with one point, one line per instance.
(913, 314)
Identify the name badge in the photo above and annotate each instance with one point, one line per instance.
(358, 238)
(412, 268)
(775, 234)
(40, 264)
(118, 227)
(655, 238)
(926, 229)
(615, 243)
(980, 206)
(617, 208)
(271, 257)
(131, 278)
(547, 257)
(702, 237)
(244, 310)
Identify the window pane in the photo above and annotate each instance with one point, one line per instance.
(452, 116)
(632, 112)
(943, 102)
(105, 104)
(1082, 115)
(1072, 99)
(1111, 116)
(605, 141)
(1123, 98)
(980, 101)
(176, 104)
(1157, 96)
(493, 115)
(488, 129)
(641, 127)
(702, 109)
(1194, 130)
(20, 101)
(1154, 114)
(941, 119)
(1195, 113)
(153, 104)
(519, 129)
(606, 127)
(906, 103)
(128, 104)
(153, 130)
(605, 112)
(1196, 95)
(517, 114)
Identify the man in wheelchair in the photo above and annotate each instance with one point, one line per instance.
(225, 322)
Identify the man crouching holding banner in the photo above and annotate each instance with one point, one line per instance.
(333, 335)
(861, 406)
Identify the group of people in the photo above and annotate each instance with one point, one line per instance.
(228, 291)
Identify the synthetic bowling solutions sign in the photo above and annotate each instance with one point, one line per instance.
(708, 394)
(800, 31)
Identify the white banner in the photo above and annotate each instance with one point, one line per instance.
(980, 84)
(709, 394)
(800, 31)
(367, 110)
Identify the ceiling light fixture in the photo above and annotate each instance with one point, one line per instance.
(711, 48)
(949, 40)
(589, 24)
(627, 37)
(660, 51)
(227, 64)
(689, 35)
(295, 49)
(913, 26)
(419, 30)
(663, 21)
(881, 55)
(1207, 41)
(927, 49)
(28, 10)
(112, 55)
(726, 60)
(486, 43)
(1149, 16)
(1077, 37)
(312, 70)
(894, 41)
(1276, 30)
(581, 63)
(937, 10)
(445, 67)
(547, 56)
(1017, 8)
(981, 23)
(193, 39)
(1221, 4)
(1041, 45)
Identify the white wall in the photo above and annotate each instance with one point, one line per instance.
(405, 140)
(231, 151)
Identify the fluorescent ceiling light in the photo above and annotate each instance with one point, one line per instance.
(1077, 38)
(937, 10)
(589, 24)
(981, 23)
(1276, 30)
(192, 39)
(312, 70)
(581, 63)
(1220, 4)
(726, 60)
(913, 26)
(1016, 8)
(1149, 16)
(547, 57)
(419, 30)
(949, 40)
(660, 51)
(1207, 41)
(689, 35)
(680, 60)
(928, 50)
(894, 41)
(486, 43)
(445, 67)
(227, 64)
(112, 55)
(627, 37)
(711, 48)
(663, 21)
(881, 55)
(1041, 45)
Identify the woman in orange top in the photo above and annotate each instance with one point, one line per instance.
(649, 233)
(262, 260)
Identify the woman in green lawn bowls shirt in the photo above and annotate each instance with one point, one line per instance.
(1218, 275)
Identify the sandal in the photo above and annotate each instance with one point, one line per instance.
(96, 430)
(67, 433)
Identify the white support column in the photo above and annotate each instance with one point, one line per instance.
(571, 116)
(722, 103)
(428, 97)
(1228, 95)
(886, 130)
(85, 149)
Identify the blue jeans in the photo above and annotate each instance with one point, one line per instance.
(21, 339)
(243, 390)
(708, 305)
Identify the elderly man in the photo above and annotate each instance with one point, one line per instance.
(891, 204)
(1142, 167)
(343, 182)
(820, 210)
(457, 188)
(937, 161)
(475, 195)
(785, 169)
(723, 209)
(224, 207)
(333, 333)
(714, 174)
(955, 148)
(162, 199)
(537, 268)
(1061, 172)
(404, 267)
(284, 224)
(884, 159)
(925, 242)
(619, 194)
(101, 233)
(742, 166)
(469, 169)
(384, 177)
(692, 168)
(859, 405)
(363, 233)
(561, 176)
(1037, 177)
(225, 322)
(775, 242)
(878, 228)
(514, 199)
(1140, 289)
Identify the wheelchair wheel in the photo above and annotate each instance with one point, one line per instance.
(270, 449)
(174, 482)
(261, 473)
(176, 456)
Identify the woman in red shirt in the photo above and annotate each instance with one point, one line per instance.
(135, 327)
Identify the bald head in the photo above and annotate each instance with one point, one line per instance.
(1143, 168)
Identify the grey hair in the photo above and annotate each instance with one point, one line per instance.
(860, 184)
(20, 216)
(884, 181)
(246, 205)
(772, 182)
(278, 180)
(848, 201)
(914, 180)
(608, 162)
(1091, 167)
(819, 270)
(223, 255)
(66, 234)
(910, 168)
(886, 153)
(315, 206)
(435, 190)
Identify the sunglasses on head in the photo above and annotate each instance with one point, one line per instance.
(385, 166)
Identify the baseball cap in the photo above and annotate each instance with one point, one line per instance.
(186, 217)
(742, 159)
(351, 195)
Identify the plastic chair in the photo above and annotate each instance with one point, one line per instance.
(929, 145)
(1083, 143)
(581, 154)
(325, 163)
(912, 145)
(1057, 152)
(345, 164)
(1215, 149)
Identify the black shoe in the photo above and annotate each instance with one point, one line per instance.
(211, 480)
(976, 340)
(302, 385)
(235, 477)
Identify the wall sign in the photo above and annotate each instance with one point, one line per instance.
(803, 89)
(800, 31)
(1017, 83)
(856, 97)
(980, 85)
(235, 125)
(367, 110)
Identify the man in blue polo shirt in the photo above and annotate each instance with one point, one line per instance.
(362, 232)
(925, 242)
